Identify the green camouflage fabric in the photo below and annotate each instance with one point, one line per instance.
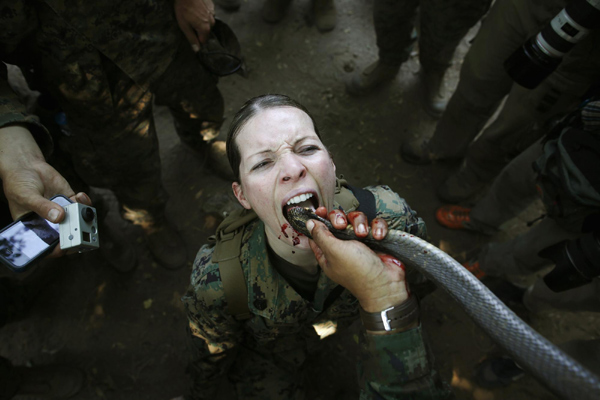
(262, 356)
(443, 24)
(105, 63)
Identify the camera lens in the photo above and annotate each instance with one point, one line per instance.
(87, 214)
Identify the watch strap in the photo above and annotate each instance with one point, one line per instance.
(392, 318)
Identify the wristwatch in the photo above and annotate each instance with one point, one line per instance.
(392, 318)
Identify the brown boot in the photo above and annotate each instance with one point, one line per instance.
(274, 10)
(371, 78)
(325, 14)
(434, 100)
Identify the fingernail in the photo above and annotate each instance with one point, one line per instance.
(361, 228)
(378, 232)
(196, 48)
(340, 219)
(310, 225)
(85, 197)
(53, 215)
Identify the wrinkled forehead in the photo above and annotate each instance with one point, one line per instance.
(271, 128)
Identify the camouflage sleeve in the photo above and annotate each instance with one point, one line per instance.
(12, 112)
(18, 20)
(398, 214)
(398, 366)
(214, 334)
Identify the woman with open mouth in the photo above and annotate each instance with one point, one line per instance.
(259, 296)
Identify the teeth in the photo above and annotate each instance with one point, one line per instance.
(300, 198)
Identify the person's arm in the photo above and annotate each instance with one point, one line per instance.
(396, 211)
(214, 334)
(393, 364)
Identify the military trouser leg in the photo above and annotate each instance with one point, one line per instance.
(9, 380)
(523, 118)
(519, 256)
(191, 94)
(443, 25)
(512, 192)
(113, 143)
(583, 298)
(394, 23)
(483, 82)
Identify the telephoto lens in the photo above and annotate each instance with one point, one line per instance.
(530, 64)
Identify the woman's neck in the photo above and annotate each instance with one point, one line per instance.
(302, 257)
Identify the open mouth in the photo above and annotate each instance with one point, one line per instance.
(305, 200)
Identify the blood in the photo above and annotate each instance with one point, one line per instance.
(296, 241)
(352, 215)
(293, 252)
(283, 228)
(394, 260)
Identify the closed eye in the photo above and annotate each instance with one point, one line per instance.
(260, 165)
(309, 149)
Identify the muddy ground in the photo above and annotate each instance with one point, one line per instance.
(127, 331)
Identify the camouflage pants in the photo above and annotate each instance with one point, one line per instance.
(113, 142)
(443, 24)
(484, 83)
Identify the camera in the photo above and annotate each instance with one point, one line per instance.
(79, 230)
(540, 55)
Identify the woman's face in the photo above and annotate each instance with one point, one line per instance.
(283, 161)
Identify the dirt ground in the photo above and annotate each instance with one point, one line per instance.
(127, 331)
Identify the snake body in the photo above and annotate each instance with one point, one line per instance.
(559, 372)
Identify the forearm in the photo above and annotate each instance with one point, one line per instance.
(17, 149)
(398, 366)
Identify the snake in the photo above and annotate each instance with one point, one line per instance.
(560, 373)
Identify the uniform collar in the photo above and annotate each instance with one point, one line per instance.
(269, 294)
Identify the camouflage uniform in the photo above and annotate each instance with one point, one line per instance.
(262, 356)
(443, 25)
(104, 62)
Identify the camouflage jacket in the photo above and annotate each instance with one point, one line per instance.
(68, 40)
(281, 327)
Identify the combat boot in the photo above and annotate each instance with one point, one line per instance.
(371, 78)
(49, 382)
(417, 152)
(433, 94)
(325, 14)
(274, 10)
(460, 186)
